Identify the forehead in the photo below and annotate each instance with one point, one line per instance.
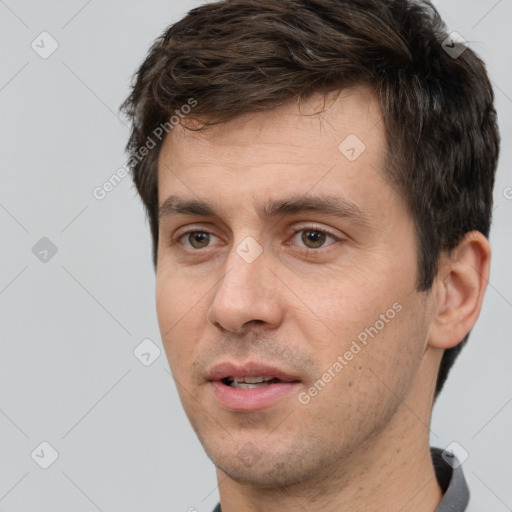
(323, 146)
(287, 163)
(298, 133)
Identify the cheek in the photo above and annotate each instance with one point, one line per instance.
(177, 314)
(367, 380)
(338, 310)
(177, 295)
(370, 319)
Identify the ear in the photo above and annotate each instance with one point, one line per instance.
(460, 285)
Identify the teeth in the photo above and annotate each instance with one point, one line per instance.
(250, 382)
(244, 385)
(254, 380)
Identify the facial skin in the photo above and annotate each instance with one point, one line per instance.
(362, 441)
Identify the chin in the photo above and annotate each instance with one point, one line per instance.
(264, 476)
(266, 470)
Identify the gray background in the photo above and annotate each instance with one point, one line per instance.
(69, 325)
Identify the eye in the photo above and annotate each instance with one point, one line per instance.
(196, 239)
(314, 238)
(311, 237)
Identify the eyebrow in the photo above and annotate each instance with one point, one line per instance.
(326, 204)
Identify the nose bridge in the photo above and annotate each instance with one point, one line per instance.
(245, 292)
(245, 270)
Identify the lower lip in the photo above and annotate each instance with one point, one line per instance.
(252, 399)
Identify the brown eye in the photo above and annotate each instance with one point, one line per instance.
(198, 239)
(313, 238)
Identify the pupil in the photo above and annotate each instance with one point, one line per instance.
(200, 238)
(317, 238)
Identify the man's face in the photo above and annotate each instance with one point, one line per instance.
(325, 301)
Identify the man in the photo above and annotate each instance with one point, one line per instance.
(318, 179)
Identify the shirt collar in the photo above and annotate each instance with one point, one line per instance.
(451, 480)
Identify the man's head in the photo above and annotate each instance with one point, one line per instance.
(278, 102)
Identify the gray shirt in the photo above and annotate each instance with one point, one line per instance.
(451, 480)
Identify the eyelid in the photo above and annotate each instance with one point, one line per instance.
(176, 239)
(320, 229)
(315, 227)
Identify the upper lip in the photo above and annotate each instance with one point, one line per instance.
(249, 369)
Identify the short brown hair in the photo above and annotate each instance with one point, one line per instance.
(239, 56)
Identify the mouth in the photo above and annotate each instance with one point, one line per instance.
(250, 382)
(251, 386)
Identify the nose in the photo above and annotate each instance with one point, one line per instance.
(247, 294)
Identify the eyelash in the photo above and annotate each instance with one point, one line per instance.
(305, 228)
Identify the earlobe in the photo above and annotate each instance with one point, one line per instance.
(461, 283)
